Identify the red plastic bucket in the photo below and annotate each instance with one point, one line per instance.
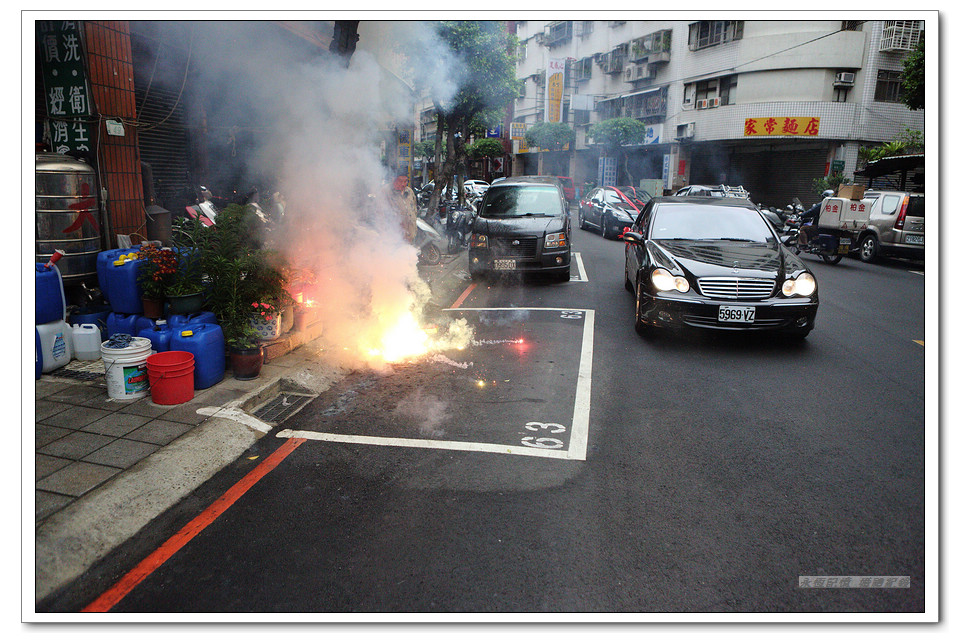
(171, 377)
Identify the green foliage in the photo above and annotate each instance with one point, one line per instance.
(832, 182)
(424, 149)
(240, 272)
(485, 148)
(913, 84)
(550, 136)
(614, 133)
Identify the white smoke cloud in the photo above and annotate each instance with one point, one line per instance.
(322, 127)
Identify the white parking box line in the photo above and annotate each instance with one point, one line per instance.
(581, 271)
(429, 444)
(579, 429)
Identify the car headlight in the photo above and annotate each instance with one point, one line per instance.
(663, 280)
(478, 240)
(804, 285)
(556, 240)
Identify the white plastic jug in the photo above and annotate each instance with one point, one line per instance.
(86, 341)
(56, 344)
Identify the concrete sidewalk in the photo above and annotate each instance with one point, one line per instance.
(105, 468)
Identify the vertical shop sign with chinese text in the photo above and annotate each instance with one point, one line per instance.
(404, 150)
(555, 69)
(65, 89)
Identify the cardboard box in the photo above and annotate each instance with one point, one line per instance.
(854, 192)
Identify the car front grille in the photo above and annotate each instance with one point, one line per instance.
(518, 247)
(736, 287)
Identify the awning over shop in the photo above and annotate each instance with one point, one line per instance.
(895, 165)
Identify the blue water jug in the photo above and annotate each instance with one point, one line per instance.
(92, 315)
(38, 354)
(51, 302)
(123, 292)
(104, 259)
(158, 333)
(203, 317)
(122, 323)
(206, 343)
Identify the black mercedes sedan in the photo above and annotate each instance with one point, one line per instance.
(715, 263)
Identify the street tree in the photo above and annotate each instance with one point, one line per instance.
(615, 134)
(913, 85)
(481, 55)
(486, 148)
(551, 137)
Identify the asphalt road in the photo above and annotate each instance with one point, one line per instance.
(563, 464)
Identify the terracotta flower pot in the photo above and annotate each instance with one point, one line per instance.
(152, 308)
(246, 362)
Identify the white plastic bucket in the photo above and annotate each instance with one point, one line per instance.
(86, 341)
(126, 369)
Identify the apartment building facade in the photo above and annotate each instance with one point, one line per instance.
(768, 104)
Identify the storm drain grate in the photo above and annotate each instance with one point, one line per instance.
(282, 407)
(85, 371)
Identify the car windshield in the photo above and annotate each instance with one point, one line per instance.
(713, 223)
(522, 200)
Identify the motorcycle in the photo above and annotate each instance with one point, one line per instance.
(457, 229)
(427, 241)
(831, 246)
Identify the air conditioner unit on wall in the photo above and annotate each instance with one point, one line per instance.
(714, 102)
(703, 104)
(845, 78)
(686, 130)
(631, 72)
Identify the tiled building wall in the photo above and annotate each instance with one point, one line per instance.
(110, 65)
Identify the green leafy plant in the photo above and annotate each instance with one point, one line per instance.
(240, 273)
(615, 134)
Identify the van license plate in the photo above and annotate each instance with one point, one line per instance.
(914, 238)
(737, 314)
(504, 264)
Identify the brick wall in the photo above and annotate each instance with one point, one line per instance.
(110, 65)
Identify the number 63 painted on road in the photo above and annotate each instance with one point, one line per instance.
(540, 442)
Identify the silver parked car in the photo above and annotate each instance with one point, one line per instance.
(895, 226)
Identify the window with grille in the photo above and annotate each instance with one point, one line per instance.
(900, 35)
(888, 86)
(708, 33)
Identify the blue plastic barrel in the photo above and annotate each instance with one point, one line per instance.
(206, 343)
(203, 317)
(51, 304)
(104, 259)
(125, 294)
(122, 323)
(159, 336)
(38, 354)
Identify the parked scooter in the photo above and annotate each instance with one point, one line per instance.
(427, 241)
(458, 225)
(204, 210)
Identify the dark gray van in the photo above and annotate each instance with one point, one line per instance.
(521, 227)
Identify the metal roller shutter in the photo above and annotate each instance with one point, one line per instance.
(161, 92)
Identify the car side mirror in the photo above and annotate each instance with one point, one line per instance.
(630, 236)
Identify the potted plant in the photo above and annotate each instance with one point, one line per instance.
(265, 319)
(184, 290)
(246, 354)
(157, 267)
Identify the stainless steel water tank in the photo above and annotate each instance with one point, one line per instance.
(68, 214)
